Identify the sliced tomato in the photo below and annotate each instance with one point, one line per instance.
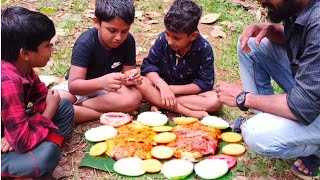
(231, 161)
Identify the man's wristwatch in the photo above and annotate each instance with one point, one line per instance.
(240, 100)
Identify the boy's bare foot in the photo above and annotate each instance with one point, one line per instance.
(197, 114)
(154, 108)
(134, 112)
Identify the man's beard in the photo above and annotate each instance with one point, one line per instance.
(287, 9)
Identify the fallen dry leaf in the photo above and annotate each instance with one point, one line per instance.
(228, 24)
(59, 173)
(239, 178)
(205, 36)
(138, 14)
(152, 22)
(209, 18)
(89, 13)
(258, 15)
(140, 49)
(218, 33)
(153, 14)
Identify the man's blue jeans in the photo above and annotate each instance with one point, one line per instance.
(44, 158)
(267, 134)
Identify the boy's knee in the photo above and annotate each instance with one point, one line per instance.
(65, 118)
(214, 107)
(48, 158)
(134, 101)
(66, 107)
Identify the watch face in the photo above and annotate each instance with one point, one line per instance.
(240, 99)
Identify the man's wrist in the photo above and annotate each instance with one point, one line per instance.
(241, 101)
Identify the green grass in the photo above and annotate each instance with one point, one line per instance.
(149, 5)
(227, 60)
(79, 5)
(225, 55)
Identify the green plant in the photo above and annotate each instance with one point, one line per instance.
(79, 5)
(47, 10)
(51, 4)
(277, 88)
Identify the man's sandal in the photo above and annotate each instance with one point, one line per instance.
(311, 163)
(236, 125)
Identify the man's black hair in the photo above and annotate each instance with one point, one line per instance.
(22, 28)
(183, 17)
(107, 10)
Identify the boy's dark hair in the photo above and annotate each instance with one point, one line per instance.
(183, 17)
(22, 28)
(107, 10)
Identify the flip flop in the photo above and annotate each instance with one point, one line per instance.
(236, 125)
(311, 163)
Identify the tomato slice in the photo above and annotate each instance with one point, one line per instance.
(231, 161)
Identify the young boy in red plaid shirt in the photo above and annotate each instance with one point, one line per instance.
(30, 137)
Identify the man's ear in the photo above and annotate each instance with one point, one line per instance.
(24, 54)
(96, 22)
(194, 35)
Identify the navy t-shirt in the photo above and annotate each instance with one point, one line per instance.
(89, 53)
(196, 66)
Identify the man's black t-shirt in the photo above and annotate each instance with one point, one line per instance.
(89, 53)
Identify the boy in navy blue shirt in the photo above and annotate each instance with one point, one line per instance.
(179, 73)
(103, 66)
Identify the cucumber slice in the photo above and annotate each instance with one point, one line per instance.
(100, 133)
(131, 166)
(152, 118)
(177, 169)
(215, 122)
(211, 168)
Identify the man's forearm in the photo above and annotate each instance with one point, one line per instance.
(273, 104)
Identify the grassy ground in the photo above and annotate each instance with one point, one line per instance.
(72, 17)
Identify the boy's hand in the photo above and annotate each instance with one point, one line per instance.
(113, 81)
(5, 146)
(52, 101)
(133, 77)
(167, 97)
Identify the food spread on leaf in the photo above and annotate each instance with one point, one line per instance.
(152, 118)
(184, 120)
(114, 119)
(215, 122)
(131, 166)
(177, 169)
(231, 161)
(148, 146)
(100, 133)
(233, 149)
(231, 137)
(211, 168)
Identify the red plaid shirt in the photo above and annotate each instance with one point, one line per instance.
(23, 131)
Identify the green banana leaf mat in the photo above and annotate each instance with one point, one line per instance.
(106, 164)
